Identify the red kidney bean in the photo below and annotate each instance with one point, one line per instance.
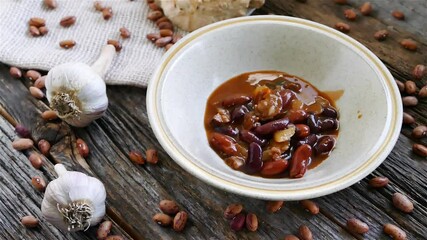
(238, 222)
(249, 137)
(287, 97)
(317, 124)
(310, 140)
(302, 130)
(254, 161)
(235, 100)
(394, 231)
(324, 145)
(299, 161)
(271, 168)
(297, 116)
(272, 126)
(379, 182)
(223, 143)
(357, 226)
(330, 112)
(227, 130)
(239, 112)
(22, 131)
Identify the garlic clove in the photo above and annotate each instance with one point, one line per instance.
(73, 201)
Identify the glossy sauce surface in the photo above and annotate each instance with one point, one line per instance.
(240, 86)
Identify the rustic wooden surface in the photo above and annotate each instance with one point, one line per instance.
(133, 192)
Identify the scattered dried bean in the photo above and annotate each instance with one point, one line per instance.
(305, 233)
(407, 118)
(274, 206)
(310, 206)
(22, 131)
(291, 237)
(381, 35)
(136, 157)
(40, 82)
(165, 25)
(49, 115)
(153, 37)
(366, 8)
(103, 230)
(155, 15)
(410, 87)
(36, 92)
(35, 160)
(166, 32)
(67, 21)
(400, 85)
(176, 37)
(67, 43)
(409, 101)
(37, 22)
(419, 131)
(15, 72)
(162, 219)
(107, 13)
(409, 44)
(153, 6)
(379, 182)
(43, 30)
(34, 31)
(32, 75)
(251, 222)
(419, 149)
(29, 221)
(238, 222)
(402, 203)
(152, 156)
(419, 71)
(44, 146)
(398, 15)
(394, 231)
(22, 144)
(50, 4)
(39, 183)
(82, 147)
(98, 6)
(169, 207)
(357, 226)
(232, 210)
(124, 32)
(179, 221)
(423, 92)
(350, 14)
(163, 41)
(342, 27)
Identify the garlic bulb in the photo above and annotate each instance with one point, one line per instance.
(190, 15)
(77, 91)
(73, 201)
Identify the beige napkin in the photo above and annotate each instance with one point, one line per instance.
(133, 65)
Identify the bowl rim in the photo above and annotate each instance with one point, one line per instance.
(390, 139)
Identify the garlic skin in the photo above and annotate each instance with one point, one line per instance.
(73, 201)
(190, 15)
(77, 91)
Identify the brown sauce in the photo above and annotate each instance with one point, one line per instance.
(239, 86)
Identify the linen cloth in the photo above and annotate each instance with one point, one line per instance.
(133, 65)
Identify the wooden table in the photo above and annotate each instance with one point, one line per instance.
(133, 191)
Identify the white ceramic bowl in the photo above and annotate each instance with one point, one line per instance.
(370, 108)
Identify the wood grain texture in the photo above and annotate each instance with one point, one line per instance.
(134, 191)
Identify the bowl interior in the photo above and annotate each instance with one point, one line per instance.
(327, 59)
